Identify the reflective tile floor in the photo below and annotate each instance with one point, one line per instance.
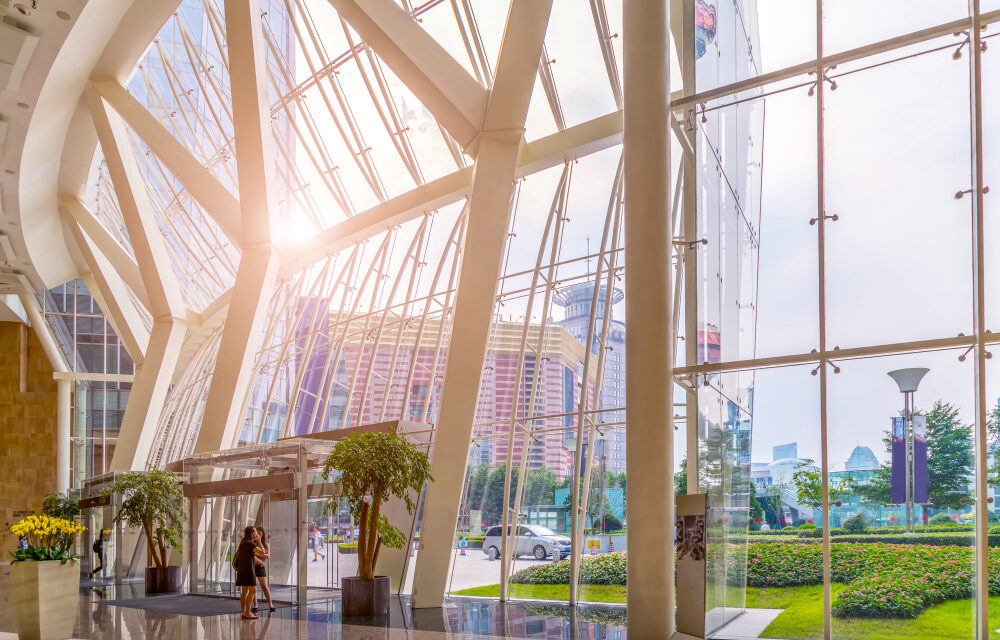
(459, 618)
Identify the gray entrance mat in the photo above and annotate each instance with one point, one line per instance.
(188, 605)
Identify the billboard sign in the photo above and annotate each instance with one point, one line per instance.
(920, 460)
(898, 460)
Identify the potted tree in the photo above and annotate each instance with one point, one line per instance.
(374, 468)
(61, 505)
(154, 501)
(45, 578)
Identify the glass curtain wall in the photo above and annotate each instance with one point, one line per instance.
(92, 349)
(835, 230)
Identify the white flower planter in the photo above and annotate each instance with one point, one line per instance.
(45, 596)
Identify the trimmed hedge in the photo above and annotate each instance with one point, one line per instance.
(883, 580)
(932, 539)
(838, 531)
(605, 568)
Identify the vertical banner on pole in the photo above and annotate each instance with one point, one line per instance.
(899, 460)
(919, 460)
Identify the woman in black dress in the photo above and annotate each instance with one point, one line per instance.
(245, 578)
(263, 552)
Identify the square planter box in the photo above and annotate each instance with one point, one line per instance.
(360, 597)
(45, 596)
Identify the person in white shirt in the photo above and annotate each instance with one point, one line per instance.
(317, 544)
(764, 526)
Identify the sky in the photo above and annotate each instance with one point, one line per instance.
(897, 148)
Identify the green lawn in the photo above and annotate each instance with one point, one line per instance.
(589, 592)
(803, 615)
(803, 618)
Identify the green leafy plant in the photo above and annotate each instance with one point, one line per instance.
(48, 538)
(856, 523)
(375, 468)
(61, 505)
(942, 519)
(154, 501)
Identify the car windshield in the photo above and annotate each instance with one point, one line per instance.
(543, 531)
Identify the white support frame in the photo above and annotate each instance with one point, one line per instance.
(499, 139)
(258, 269)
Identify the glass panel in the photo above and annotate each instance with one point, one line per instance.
(898, 256)
(475, 566)
(547, 455)
(853, 23)
(991, 176)
(739, 39)
(886, 582)
(751, 444)
(757, 271)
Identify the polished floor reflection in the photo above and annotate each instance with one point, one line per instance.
(459, 618)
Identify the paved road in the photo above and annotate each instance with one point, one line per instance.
(471, 570)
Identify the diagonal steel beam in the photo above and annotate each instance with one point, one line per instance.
(108, 287)
(443, 85)
(152, 379)
(258, 268)
(137, 211)
(218, 202)
(116, 254)
(572, 143)
(489, 214)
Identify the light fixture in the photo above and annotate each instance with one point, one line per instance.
(908, 379)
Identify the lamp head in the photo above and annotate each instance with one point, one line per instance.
(908, 379)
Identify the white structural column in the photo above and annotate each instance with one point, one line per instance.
(152, 377)
(489, 211)
(63, 420)
(649, 459)
(258, 269)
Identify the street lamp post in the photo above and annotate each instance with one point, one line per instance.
(908, 380)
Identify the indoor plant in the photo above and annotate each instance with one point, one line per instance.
(45, 578)
(374, 468)
(61, 505)
(154, 501)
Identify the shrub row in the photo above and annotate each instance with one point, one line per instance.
(606, 568)
(933, 539)
(883, 580)
(839, 531)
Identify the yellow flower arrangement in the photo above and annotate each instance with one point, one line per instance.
(48, 538)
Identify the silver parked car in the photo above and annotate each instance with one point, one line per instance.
(532, 540)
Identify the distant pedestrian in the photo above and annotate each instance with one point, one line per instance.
(317, 537)
(98, 549)
(764, 526)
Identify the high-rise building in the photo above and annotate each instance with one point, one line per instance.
(782, 451)
(578, 301)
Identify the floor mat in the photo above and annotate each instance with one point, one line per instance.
(188, 605)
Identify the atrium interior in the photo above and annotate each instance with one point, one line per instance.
(707, 281)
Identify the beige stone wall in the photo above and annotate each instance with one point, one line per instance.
(27, 425)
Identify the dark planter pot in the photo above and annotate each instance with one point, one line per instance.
(361, 597)
(163, 580)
